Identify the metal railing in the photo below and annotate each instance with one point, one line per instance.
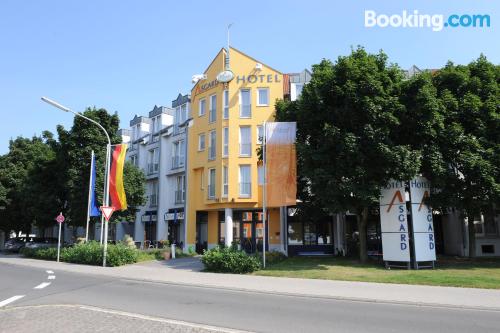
(211, 153)
(153, 168)
(245, 189)
(211, 191)
(245, 111)
(153, 200)
(180, 196)
(245, 149)
(177, 162)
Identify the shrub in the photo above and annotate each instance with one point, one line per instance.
(88, 253)
(229, 260)
(43, 253)
(120, 254)
(129, 241)
(272, 257)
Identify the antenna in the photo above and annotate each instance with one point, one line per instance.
(227, 57)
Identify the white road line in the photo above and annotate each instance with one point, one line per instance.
(10, 300)
(50, 272)
(42, 285)
(51, 277)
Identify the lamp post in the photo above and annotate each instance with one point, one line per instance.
(107, 167)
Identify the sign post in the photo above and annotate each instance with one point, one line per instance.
(60, 220)
(107, 211)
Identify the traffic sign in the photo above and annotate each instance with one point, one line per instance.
(60, 218)
(107, 212)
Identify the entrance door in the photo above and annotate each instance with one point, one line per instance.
(247, 241)
(201, 237)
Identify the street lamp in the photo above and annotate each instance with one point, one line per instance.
(108, 159)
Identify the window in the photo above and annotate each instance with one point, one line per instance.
(295, 233)
(136, 131)
(180, 189)
(153, 127)
(211, 146)
(153, 197)
(184, 113)
(203, 107)
(201, 142)
(225, 109)
(478, 225)
(262, 96)
(133, 159)
(211, 183)
(212, 113)
(245, 104)
(245, 181)
(245, 141)
(178, 154)
(153, 161)
(260, 174)
(260, 134)
(298, 90)
(225, 177)
(225, 148)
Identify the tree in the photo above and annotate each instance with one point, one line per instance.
(469, 144)
(22, 171)
(346, 118)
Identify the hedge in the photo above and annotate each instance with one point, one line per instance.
(229, 260)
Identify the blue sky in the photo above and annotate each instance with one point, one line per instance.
(127, 56)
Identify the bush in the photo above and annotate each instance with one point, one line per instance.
(88, 253)
(44, 253)
(272, 257)
(229, 260)
(121, 254)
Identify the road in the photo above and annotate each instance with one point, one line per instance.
(146, 303)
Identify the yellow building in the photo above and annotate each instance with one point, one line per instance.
(224, 175)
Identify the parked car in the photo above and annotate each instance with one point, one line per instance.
(15, 244)
(40, 243)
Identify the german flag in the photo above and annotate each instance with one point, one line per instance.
(116, 189)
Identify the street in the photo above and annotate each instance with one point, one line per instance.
(125, 305)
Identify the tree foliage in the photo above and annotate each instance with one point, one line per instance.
(346, 119)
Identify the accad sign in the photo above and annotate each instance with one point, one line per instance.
(416, 20)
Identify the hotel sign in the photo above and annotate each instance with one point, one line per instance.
(423, 229)
(393, 222)
(225, 76)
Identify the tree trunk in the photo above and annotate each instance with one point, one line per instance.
(472, 235)
(362, 219)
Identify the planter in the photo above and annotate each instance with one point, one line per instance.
(166, 255)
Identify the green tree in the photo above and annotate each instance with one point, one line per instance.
(469, 144)
(346, 150)
(29, 185)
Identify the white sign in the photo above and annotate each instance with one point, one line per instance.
(107, 211)
(393, 222)
(225, 76)
(148, 217)
(171, 216)
(423, 229)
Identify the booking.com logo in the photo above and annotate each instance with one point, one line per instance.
(416, 20)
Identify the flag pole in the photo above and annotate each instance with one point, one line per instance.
(90, 196)
(264, 198)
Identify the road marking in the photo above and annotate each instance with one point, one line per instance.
(51, 277)
(163, 320)
(10, 300)
(50, 272)
(42, 285)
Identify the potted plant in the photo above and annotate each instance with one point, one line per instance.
(167, 255)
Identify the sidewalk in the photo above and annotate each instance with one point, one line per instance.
(186, 272)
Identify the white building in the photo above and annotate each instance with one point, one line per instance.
(157, 145)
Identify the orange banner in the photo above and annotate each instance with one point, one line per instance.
(281, 164)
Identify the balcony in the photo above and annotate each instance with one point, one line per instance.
(246, 111)
(153, 168)
(245, 190)
(211, 153)
(177, 162)
(245, 149)
(180, 196)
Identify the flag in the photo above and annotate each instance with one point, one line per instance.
(116, 189)
(94, 209)
(281, 164)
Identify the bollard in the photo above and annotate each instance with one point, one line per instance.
(172, 250)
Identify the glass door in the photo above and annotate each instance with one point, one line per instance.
(247, 241)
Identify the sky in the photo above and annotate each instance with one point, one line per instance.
(127, 56)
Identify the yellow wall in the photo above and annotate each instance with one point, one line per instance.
(198, 163)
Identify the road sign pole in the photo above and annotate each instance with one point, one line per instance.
(59, 242)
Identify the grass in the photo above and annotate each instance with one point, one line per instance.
(449, 271)
(157, 254)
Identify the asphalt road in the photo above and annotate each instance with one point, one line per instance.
(247, 311)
